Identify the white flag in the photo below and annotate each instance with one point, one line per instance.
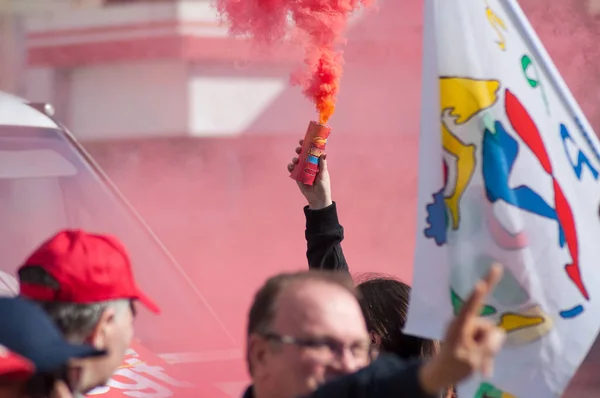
(508, 173)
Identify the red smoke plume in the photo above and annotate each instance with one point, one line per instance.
(319, 23)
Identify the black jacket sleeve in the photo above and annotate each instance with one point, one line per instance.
(387, 377)
(324, 236)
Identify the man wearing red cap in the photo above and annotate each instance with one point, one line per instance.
(85, 283)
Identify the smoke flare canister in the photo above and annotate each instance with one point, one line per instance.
(312, 149)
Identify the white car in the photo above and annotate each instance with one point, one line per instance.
(48, 182)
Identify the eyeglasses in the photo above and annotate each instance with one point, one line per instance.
(328, 349)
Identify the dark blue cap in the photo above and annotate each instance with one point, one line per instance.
(27, 330)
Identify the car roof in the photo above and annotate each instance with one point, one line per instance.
(15, 111)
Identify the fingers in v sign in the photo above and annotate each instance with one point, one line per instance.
(471, 342)
(476, 340)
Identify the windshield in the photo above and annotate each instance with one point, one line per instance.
(46, 184)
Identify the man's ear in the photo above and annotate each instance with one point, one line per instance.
(258, 349)
(103, 329)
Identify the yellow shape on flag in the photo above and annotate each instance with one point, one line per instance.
(463, 98)
(511, 321)
(496, 22)
(526, 326)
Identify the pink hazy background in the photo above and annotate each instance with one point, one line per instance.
(231, 216)
(228, 212)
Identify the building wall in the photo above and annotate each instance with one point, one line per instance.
(142, 100)
(12, 59)
(189, 79)
(114, 61)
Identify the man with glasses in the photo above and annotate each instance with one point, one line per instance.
(304, 329)
(85, 283)
(34, 356)
(307, 338)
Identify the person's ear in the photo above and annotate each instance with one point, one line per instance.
(375, 339)
(100, 335)
(258, 350)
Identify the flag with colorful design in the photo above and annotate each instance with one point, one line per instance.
(508, 173)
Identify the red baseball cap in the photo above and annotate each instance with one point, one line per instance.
(13, 366)
(89, 268)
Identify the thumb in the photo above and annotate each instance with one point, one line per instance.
(323, 164)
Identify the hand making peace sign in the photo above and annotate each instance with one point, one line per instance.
(471, 342)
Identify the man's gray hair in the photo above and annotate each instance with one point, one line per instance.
(76, 321)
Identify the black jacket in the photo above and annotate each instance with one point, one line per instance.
(324, 236)
(387, 377)
(390, 375)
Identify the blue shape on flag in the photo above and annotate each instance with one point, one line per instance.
(572, 313)
(587, 138)
(437, 219)
(499, 154)
(582, 160)
(312, 159)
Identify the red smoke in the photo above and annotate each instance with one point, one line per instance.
(319, 24)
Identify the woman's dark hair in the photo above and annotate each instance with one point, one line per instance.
(385, 306)
(384, 302)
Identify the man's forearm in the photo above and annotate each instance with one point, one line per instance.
(324, 235)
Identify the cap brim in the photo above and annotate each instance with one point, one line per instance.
(147, 301)
(15, 368)
(58, 356)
